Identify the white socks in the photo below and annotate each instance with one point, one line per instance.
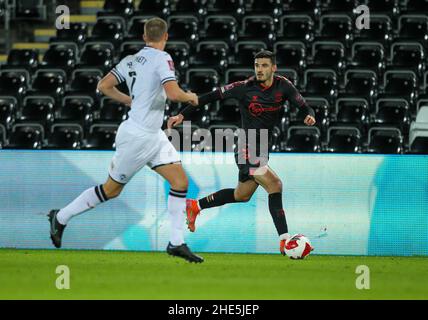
(88, 199)
(284, 236)
(177, 209)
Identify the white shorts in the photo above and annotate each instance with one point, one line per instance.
(136, 148)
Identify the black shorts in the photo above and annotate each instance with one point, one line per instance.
(248, 165)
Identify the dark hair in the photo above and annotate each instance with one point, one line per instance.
(266, 54)
(155, 28)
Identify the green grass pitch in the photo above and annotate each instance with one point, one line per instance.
(30, 274)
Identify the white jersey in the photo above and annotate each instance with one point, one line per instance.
(145, 73)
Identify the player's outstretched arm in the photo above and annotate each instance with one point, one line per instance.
(107, 86)
(176, 94)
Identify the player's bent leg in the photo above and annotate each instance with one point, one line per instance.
(175, 175)
(270, 181)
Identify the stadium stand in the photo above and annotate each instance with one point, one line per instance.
(368, 87)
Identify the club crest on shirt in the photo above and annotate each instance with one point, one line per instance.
(171, 65)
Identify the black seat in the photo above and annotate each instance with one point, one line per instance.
(111, 29)
(65, 136)
(85, 81)
(328, 54)
(3, 140)
(389, 7)
(380, 30)
(14, 82)
(259, 28)
(61, 55)
(49, 82)
(78, 33)
(196, 8)
(211, 55)
(416, 6)
(30, 10)
(77, 109)
(342, 6)
(38, 109)
(407, 55)
(8, 109)
(291, 54)
(297, 28)
(112, 111)
(400, 84)
(393, 113)
(136, 28)
(97, 55)
(158, 8)
(235, 8)
(183, 28)
(234, 75)
(343, 140)
(221, 28)
(179, 51)
(321, 82)
(130, 48)
(245, 52)
(303, 139)
(229, 112)
(202, 80)
(269, 7)
(419, 145)
(101, 137)
(413, 27)
(26, 136)
(336, 27)
(353, 112)
(385, 141)
(360, 83)
(301, 6)
(119, 7)
(23, 58)
(368, 55)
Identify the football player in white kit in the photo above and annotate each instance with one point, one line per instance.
(150, 77)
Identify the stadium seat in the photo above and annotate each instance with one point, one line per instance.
(14, 82)
(183, 28)
(320, 82)
(77, 109)
(211, 54)
(272, 8)
(221, 28)
(78, 33)
(296, 28)
(233, 75)
(61, 55)
(291, 75)
(229, 112)
(389, 7)
(112, 111)
(110, 29)
(84, 82)
(130, 48)
(409, 56)
(65, 136)
(338, 6)
(291, 54)
(235, 8)
(136, 28)
(420, 143)
(415, 6)
(343, 140)
(380, 31)
(201, 80)
(402, 84)
(29, 10)
(328, 54)
(160, 8)
(196, 8)
(303, 139)
(8, 109)
(368, 55)
(413, 27)
(245, 52)
(360, 83)
(101, 137)
(301, 6)
(38, 109)
(3, 140)
(351, 112)
(26, 136)
(259, 28)
(179, 51)
(51, 82)
(97, 55)
(22, 58)
(124, 8)
(420, 124)
(224, 137)
(336, 27)
(393, 113)
(385, 141)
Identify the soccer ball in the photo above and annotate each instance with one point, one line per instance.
(298, 247)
